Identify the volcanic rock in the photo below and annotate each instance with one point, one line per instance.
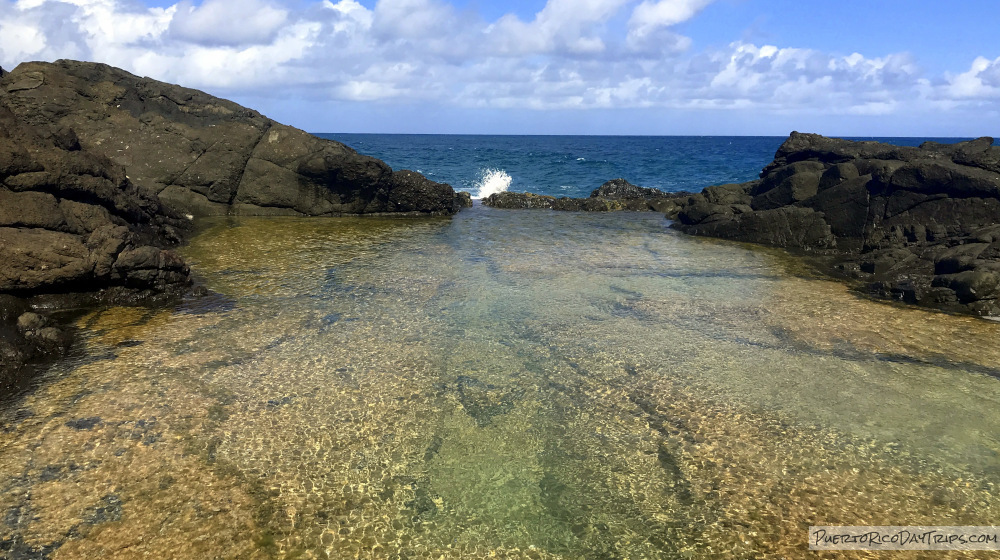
(201, 155)
(913, 223)
(614, 195)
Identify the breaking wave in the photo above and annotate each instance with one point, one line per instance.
(491, 181)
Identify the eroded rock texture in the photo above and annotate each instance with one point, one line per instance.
(101, 172)
(202, 155)
(921, 224)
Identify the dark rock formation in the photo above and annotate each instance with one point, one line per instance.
(921, 224)
(622, 189)
(70, 220)
(614, 195)
(101, 171)
(201, 155)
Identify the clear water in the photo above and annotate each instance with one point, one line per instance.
(576, 165)
(499, 384)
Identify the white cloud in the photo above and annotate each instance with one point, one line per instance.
(982, 80)
(227, 22)
(21, 40)
(648, 18)
(412, 19)
(791, 79)
(573, 54)
(570, 26)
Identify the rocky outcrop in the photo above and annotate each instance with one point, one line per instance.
(201, 155)
(101, 172)
(71, 221)
(614, 195)
(920, 224)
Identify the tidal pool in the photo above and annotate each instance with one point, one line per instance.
(501, 384)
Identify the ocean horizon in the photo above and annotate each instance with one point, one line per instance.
(575, 165)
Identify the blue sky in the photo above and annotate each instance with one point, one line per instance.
(704, 67)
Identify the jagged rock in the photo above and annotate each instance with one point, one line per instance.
(513, 200)
(201, 155)
(781, 227)
(614, 195)
(463, 199)
(100, 169)
(620, 188)
(915, 223)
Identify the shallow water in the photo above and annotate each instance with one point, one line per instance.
(499, 384)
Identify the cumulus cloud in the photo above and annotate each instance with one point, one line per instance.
(570, 26)
(792, 78)
(227, 22)
(650, 18)
(981, 81)
(572, 54)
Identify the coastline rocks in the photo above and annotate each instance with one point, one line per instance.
(200, 155)
(101, 173)
(614, 195)
(71, 221)
(622, 189)
(918, 224)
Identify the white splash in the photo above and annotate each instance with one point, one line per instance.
(491, 181)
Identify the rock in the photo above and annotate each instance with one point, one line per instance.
(201, 155)
(793, 188)
(801, 228)
(917, 224)
(512, 200)
(960, 258)
(971, 285)
(620, 188)
(411, 192)
(844, 206)
(11, 308)
(100, 171)
(728, 194)
(30, 322)
(837, 174)
(463, 199)
(614, 195)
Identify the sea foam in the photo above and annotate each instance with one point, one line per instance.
(491, 181)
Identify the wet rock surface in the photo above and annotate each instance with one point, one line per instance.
(614, 195)
(918, 224)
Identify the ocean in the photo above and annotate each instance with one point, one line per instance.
(574, 166)
(503, 384)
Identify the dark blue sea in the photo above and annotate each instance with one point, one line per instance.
(576, 165)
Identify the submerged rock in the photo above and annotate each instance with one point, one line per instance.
(483, 401)
(918, 224)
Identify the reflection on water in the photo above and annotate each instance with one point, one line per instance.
(500, 384)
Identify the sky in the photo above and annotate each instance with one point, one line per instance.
(645, 67)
